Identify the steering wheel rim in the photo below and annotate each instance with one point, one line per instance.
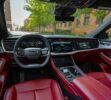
(47, 47)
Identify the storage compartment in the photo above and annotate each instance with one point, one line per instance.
(62, 61)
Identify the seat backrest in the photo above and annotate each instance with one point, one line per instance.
(43, 89)
(3, 76)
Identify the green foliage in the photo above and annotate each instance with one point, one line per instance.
(100, 15)
(41, 14)
(79, 12)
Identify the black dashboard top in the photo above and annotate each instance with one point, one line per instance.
(59, 44)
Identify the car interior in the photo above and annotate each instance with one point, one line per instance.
(55, 67)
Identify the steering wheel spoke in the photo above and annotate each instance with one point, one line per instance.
(45, 52)
(20, 52)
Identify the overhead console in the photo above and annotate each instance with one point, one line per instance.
(73, 3)
(105, 4)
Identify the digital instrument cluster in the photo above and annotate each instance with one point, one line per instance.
(33, 42)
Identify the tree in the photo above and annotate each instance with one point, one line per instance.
(41, 14)
(84, 11)
(100, 15)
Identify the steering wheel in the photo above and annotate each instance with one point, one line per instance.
(32, 53)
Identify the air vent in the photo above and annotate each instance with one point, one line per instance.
(9, 43)
(94, 43)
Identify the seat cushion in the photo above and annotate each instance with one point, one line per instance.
(45, 89)
(91, 89)
(104, 78)
(3, 78)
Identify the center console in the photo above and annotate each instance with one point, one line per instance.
(67, 67)
(76, 82)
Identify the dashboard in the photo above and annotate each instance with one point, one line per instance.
(70, 45)
(58, 44)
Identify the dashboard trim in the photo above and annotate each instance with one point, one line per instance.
(58, 54)
(73, 52)
(4, 50)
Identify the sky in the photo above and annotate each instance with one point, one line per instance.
(18, 13)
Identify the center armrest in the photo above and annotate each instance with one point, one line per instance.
(91, 89)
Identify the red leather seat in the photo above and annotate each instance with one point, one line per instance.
(45, 89)
(104, 78)
(3, 76)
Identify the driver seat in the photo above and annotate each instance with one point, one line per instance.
(44, 89)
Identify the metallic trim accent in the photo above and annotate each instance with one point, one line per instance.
(4, 50)
(71, 53)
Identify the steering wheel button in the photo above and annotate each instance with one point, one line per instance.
(65, 70)
(44, 52)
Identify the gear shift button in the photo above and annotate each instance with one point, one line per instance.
(65, 70)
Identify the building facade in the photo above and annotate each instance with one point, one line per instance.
(7, 11)
(85, 24)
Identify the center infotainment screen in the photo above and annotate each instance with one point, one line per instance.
(84, 45)
(62, 47)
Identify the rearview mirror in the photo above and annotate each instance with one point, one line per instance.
(64, 13)
(64, 18)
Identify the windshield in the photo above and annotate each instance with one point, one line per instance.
(34, 16)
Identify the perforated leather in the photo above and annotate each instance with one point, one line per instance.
(45, 89)
(91, 89)
(104, 78)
